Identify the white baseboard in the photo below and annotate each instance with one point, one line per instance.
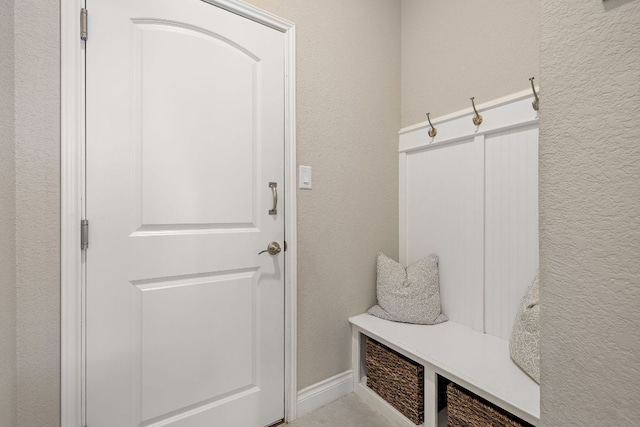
(324, 392)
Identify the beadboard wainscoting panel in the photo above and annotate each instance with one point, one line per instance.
(470, 196)
(445, 217)
(511, 224)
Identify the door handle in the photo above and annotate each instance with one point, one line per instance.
(274, 192)
(273, 249)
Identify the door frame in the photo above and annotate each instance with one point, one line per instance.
(72, 205)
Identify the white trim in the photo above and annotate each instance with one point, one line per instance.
(251, 12)
(500, 115)
(482, 140)
(504, 114)
(71, 207)
(324, 392)
(291, 236)
(402, 206)
(72, 189)
(498, 102)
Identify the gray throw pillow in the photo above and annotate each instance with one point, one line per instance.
(524, 344)
(409, 295)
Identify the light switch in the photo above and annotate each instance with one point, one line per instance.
(305, 177)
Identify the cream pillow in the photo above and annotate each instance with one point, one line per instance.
(409, 295)
(524, 344)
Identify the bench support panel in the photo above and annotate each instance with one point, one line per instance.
(430, 397)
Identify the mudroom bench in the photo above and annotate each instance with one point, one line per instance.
(475, 361)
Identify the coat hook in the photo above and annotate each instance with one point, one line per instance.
(433, 131)
(536, 103)
(477, 119)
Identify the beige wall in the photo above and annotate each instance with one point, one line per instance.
(348, 70)
(590, 213)
(37, 108)
(7, 220)
(455, 49)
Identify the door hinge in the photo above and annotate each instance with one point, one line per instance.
(83, 24)
(84, 234)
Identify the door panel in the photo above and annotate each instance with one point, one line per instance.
(189, 368)
(185, 130)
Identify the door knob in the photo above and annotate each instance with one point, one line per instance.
(273, 249)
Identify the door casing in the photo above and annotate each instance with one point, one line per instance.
(72, 158)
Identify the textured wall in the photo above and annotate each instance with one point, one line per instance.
(348, 100)
(590, 213)
(37, 108)
(7, 220)
(455, 49)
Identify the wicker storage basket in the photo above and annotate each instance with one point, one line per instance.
(465, 409)
(397, 379)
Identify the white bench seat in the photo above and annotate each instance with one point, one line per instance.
(474, 360)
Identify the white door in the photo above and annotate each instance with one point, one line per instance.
(185, 131)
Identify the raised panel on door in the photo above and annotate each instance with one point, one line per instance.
(180, 351)
(185, 130)
(192, 147)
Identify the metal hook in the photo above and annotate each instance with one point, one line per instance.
(433, 131)
(477, 119)
(536, 103)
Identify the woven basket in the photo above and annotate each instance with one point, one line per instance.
(397, 379)
(465, 409)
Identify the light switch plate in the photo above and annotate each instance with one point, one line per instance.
(304, 176)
